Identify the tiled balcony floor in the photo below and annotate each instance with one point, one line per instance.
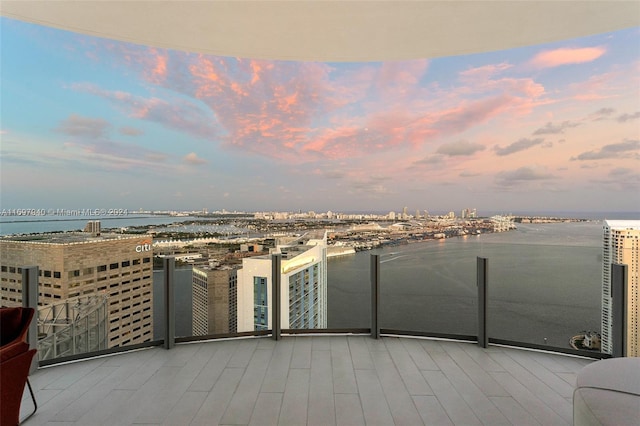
(319, 380)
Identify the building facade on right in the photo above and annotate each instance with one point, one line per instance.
(621, 244)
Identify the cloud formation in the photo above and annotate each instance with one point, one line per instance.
(429, 160)
(90, 142)
(615, 150)
(295, 112)
(522, 174)
(131, 131)
(555, 129)
(193, 159)
(566, 56)
(602, 114)
(84, 127)
(451, 130)
(459, 148)
(178, 114)
(519, 145)
(621, 179)
(628, 117)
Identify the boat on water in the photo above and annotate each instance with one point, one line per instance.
(588, 340)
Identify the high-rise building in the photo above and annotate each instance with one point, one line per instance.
(214, 300)
(303, 278)
(621, 244)
(74, 264)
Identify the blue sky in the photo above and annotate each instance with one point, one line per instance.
(94, 123)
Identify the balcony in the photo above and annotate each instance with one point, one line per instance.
(337, 379)
(436, 365)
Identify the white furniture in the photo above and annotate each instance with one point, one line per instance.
(608, 393)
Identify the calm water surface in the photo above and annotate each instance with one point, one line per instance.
(544, 284)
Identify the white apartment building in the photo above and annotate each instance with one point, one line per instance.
(303, 277)
(621, 244)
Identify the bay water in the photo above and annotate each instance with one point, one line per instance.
(544, 284)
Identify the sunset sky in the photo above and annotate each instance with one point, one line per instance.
(95, 123)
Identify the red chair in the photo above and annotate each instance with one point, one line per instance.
(15, 361)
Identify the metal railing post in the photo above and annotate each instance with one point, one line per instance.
(30, 300)
(276, 296)
(482, 281)
(375, 295)
(169, 265)
(618, 310)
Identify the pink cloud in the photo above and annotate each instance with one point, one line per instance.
(484, 72)
(307, 111)
(193, 159)
(566, 56)
(468, 114)
(595, 88)
(397, 78)
(158, 72)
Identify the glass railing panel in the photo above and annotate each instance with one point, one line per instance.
(429, 287)
(546, 288)
(75, 326)
(349, 291)
(97, 305)
(183, 302)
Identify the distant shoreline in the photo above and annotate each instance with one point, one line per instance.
(82, 219)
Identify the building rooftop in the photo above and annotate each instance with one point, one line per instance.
(71, 237)
(300, 380)
(625, 224)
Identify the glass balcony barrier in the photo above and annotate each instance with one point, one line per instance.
(548, 295)
(349, 292)
(429, 289)
(182, 302)
(108, 309)
(542, 292)
(78, 325)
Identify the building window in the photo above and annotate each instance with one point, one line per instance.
(56, 274)
(126, 263)
(102, 268)
(113, 266)
(260, 309)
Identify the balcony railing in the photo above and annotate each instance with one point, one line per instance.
(74, 326)
(470, 300)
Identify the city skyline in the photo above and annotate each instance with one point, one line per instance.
(108, 124)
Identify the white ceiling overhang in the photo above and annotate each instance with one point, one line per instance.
(331, 30)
